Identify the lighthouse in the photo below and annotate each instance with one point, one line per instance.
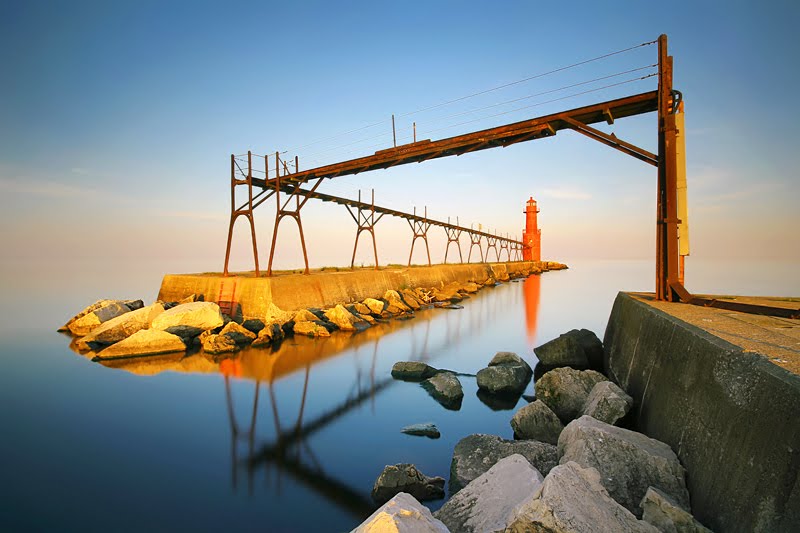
(532, 236)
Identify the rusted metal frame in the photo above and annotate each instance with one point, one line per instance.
(420, 228)
(475, 239)
(257, 197)
(453, 235)
(613, 142)
(491, 242)
(365, 222)
(621, 107)
(504, 246)
(753, 309)
(236, 213)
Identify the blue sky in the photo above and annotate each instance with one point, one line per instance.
(117, 120)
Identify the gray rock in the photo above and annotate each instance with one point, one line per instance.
(405, 477)
(564, 350)
(446, 389)
(412, 371)
(189, 319)
(475, 454)
(592, 346)
(422, 430)
(565, 390)
(628, 462)
(490, 501)
(401, 514)
(507, 373)
(121, 327)
(144, 342)
(538, 422)
(254, 325)
(607, 403)
(238, 334)
(572, 500)
(667, 516)
(101, 312)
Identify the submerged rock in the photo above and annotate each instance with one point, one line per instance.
(667, 516)
(401, 514)
(422, 430)
(406, 478)
(446, 389)
(490, 501)
(190, 319)
(144, 342)
(412, 371)
(475, 454)
(607, 403)
(565, 390)
(628, 462)
(538, 422)
(572, 500)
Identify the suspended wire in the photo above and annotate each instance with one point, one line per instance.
(479, 93)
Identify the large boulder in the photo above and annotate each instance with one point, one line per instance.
(271, 334)
(254, 325)
(144, 342)
(101, 312)
(572, 500)
(215, 344)
(412, 371)
(410, 299)
(607, 403)
(396, 305)
(345, 320)
(565, 390)
(401, 514)
(564, 350)
(311, 329)
(189, 319)
(628, 462)
(667, 516)
(490, 501)
(238, 334)
(121, 327)
(592, 346)
(375, 307)
(507, 373)
(407, 478)
(446, 389)
(475, 454)
(536, 421)
(304, 315)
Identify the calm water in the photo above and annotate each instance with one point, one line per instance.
(285, 441)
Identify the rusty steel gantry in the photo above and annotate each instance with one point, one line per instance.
(666, 101)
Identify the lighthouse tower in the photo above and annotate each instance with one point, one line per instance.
(532, 236)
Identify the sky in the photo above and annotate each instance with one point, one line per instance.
(117, 121)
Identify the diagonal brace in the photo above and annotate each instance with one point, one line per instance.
(613, 141)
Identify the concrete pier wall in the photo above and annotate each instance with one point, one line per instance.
(732, 417)
(325, 289)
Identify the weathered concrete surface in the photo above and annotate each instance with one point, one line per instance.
(729, 414)
(326, 289)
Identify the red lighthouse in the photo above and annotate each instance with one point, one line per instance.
(532, 236)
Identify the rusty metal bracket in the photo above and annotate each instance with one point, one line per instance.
(420, 227)
(753, 309)
(475, 240)
(453, 236)
(612, 141)
(491, 242)
(504, 246)
(366, 220)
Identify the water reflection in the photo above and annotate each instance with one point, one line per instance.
(350, 372)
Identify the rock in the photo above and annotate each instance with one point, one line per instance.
(666, 515)
(500, 272)
(311, 329)
(538, 422)
(102, 313)
(475, 454)
(422, 430)
(401, 514)
(565, 390)
(191, 298)
(144, 342)
(394, 300)
(490, 282)
(189, 320)
(375, 306)
(572, 500)
(344, 319)
(498, 402)
(564, 350)
(412, 371)
(275, 314)
(507, 373)
(592, 346)
(254, 325)
(449, 306)
(304, 315)
(406, 478)
(490, 502)
(132, 305)
(272, 333)
(448, 293)
(216, 343)
(446, 389)
(628, 462)
(238, 334)
(607, 403)
(362, 309)
(410, 299)
(121, 327)
(471, 287)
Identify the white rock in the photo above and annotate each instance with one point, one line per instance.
(122, 327)
(88, 322)
(145, 342)
(401, 514)
(189, 319)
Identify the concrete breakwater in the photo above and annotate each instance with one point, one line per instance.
(255, 296)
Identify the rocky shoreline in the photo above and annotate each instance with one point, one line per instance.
(572, 467)
(114, 329)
